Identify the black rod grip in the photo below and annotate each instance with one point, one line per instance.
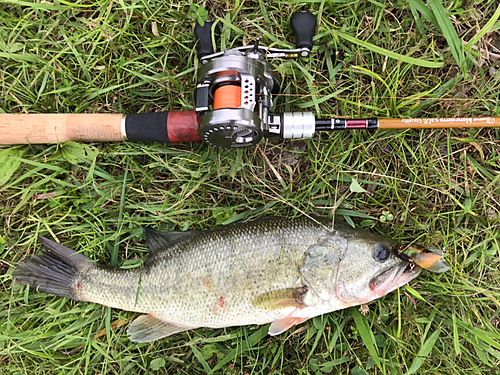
(165, 127)
(203, 36)
(304, 27)
(147, 127)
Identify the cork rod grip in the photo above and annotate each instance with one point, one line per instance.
(60, 128)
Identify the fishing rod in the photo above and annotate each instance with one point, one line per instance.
(233, 105)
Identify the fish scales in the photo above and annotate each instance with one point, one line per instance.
(273, 270)
(211, 280)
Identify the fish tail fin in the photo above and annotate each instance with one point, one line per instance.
(55, 271)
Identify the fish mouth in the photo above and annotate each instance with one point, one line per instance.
(393, 277)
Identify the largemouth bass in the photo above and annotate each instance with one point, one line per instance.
(273, 270)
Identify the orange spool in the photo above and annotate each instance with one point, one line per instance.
(228, 96)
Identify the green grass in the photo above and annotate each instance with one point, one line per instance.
(441, 186)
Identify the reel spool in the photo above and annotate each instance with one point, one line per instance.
(233, 97)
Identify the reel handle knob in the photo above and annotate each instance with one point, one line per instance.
(203, 36)
(303, 26)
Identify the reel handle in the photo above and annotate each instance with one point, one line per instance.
(303, 26)
(203, 36)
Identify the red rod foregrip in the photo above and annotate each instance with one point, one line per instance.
(183, 126)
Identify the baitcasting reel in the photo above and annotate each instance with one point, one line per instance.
(233, 97)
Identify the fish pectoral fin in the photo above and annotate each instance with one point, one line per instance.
(280, 299)
(148, 328)
(281, 325)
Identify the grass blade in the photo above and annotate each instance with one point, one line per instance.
(423, 352)
(456, 340)
(10, 160)
(486, 29)
(449, 32)
(255, 338)
(418, 5)
(114, 254)
(200, 359)
(366, 335)
(386, 52)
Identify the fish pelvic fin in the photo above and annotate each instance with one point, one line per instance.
(161, 241)
(148, 328)
(281, 325)
(55, 271)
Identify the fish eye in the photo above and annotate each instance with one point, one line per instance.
(381, 252)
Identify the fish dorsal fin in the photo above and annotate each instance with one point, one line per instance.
(161, 241)
(148, 328)
(280, 299)
(320, 264)
(281, 325)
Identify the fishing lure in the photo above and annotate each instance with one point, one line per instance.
(432, 259)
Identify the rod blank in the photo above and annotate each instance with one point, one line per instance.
(452, 122)
(407, 123)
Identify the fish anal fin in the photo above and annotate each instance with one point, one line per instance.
(161, 241)
(281, 325)
(148, 328)
(280, 299)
